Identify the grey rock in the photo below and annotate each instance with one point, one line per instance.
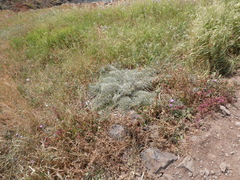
(224, 167)
(156, 160)
(187, 163)
(225, 111)
(117, 131)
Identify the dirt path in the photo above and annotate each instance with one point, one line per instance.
(213, 153)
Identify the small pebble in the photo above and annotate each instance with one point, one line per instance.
(190, 174)
(224, 167)
(237, 123)
(206, 171)
(212, 172)
(177, 172)
(201, 172)
(225, 111)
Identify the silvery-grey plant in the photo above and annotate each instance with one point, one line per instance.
(123, 89)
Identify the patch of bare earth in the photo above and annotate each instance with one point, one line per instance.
(212, 152)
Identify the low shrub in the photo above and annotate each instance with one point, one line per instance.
(123, 89)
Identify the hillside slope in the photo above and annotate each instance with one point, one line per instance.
(87, 90)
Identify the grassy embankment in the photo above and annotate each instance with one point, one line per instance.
(55, 53)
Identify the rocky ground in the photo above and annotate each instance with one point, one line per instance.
(211, 153)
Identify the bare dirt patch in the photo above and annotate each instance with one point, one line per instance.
(211, 152)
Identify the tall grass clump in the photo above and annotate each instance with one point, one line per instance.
(213, 40)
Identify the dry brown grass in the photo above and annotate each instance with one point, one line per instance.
(14, 109)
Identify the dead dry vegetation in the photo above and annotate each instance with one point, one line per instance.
(51, 57)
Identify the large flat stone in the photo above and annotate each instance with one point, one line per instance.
(156, 160)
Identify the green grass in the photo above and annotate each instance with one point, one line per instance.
(204, 35)
(131, 35)
(77, 42)
(213, 39)
(56, 53)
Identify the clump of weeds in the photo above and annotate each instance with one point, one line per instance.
(185, 99)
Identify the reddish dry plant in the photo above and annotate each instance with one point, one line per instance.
(84, 148)
(199, 95)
